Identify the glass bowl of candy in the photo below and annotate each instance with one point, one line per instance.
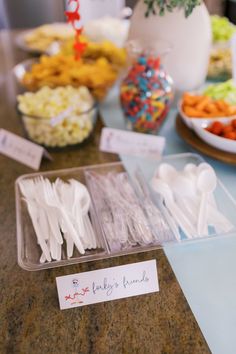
(60, 117)
(147, 90)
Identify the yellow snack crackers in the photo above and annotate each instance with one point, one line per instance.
(60, 70)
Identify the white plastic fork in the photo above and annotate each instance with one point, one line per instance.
(33, 210)
(80, 210)
(50, 212)
(53, 200)
(32, 206)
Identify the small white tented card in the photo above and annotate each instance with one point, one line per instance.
(131, 143)
(107, 284)
(21, 150)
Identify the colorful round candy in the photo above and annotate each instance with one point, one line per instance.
(146, 94)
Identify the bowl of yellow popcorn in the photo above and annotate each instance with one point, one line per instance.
(58, 117)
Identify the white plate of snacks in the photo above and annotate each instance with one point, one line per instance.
(40, 39)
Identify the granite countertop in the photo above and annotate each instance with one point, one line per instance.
(31, 321)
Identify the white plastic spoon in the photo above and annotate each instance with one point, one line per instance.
(166, 172)
(206, 184)
(162, 188)
(181, 186)
(206, 166)
(80, 210)
(184, 188)
(190, 168)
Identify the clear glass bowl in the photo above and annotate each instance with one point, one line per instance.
(72, 130)
(220, 63)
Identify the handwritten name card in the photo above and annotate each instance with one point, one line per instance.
(131, 143)
(21, 150)
(107, 284)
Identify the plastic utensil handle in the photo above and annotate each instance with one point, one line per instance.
(89, 229)
(58, 253)
(69, 245)
(180, 219)
(202, 215)
(192, 213)
(80, 226)
(53, 246)
(186, 208)
(42, 258)
(72, 232)
(212, 201)
(40, 238)
(215, 217)
(53, 222)
(171, 223)
(43, 223)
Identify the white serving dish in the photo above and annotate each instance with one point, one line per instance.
(52, 29)
(187, 120)
(200, 125)
(22, 68)
(191, 121)
(21, 43)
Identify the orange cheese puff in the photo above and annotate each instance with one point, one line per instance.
(230, 110)
(192, 112)
(216, 114)
(211, 108)
(191, 100)
(221, 105)
(203, 103)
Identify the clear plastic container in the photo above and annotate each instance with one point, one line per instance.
(29, 252)
(226, 204)
(157, 230)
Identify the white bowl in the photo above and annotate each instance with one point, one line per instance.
(22, 68)
(62, 29)
(216, 141)
(190, 120)
(187, 120)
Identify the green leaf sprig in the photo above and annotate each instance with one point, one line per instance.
(169, 5)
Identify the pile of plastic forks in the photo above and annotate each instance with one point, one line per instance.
(59, 212)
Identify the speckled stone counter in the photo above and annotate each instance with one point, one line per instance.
(30, 319)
